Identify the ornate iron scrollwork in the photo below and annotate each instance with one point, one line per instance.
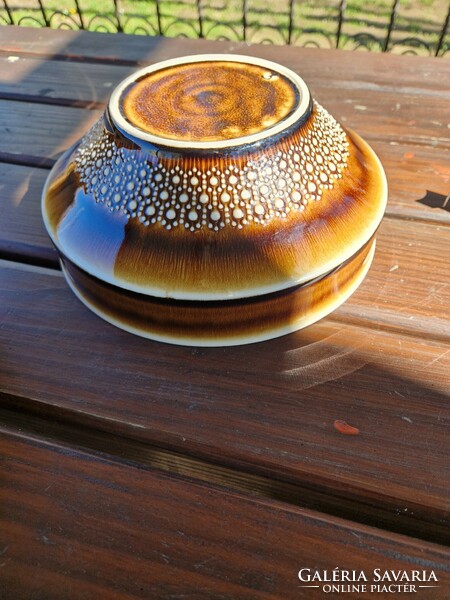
(330, 24)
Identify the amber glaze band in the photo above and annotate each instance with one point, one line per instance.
(221, 323)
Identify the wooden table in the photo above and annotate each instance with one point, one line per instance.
(134, 469)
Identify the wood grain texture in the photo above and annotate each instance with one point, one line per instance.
(48, 76)
(49, 130)
(378, 69)
(395, 291)
(272, 414)
(374, 114)
(410, 134)
(22, 231)
(395, 294)
(60, 81)
(90, 414)
(119, 532)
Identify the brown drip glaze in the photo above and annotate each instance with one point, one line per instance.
(205, 323)
(283, 249)
(60, 193)
(209, 101)
(215, 241)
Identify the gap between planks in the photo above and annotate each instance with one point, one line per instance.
(53, 101)
(100, 104)
(27, 160)
(201, 46)
(40, 425)
(73, 58)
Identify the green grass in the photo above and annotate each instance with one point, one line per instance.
(315, 23)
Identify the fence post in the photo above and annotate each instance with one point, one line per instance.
(158, 17)
(391, 26)
(291, 21)
(46, 21)
(8, 12)
(244, 20)
(200, 19)
(80, 14)
(342, 7)
(116, 14)
(443, 33)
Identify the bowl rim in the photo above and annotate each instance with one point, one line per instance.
(134, 132)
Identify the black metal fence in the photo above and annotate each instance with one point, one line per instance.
(407, 27)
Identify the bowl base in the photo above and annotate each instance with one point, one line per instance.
(220, 323)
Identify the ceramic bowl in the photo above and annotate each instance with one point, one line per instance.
(215, 203)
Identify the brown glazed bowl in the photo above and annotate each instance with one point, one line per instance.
(215, 203)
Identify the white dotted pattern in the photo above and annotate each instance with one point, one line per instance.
(269, 187)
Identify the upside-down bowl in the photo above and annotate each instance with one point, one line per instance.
(215, 203)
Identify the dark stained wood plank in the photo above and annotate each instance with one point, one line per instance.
(65, 82)
(49, 77)
(22, 232)
(143, 454)
(98, 529)
(268, 409)
(40, 131)
(362, 68)
(411, 137)
(389, 114)
(389, 117)
(395, 293)
(413, 173)
(97, 47)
